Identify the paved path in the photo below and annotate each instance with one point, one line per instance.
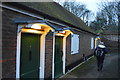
(89, 68)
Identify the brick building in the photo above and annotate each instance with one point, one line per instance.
(111, 37)
(43, 39)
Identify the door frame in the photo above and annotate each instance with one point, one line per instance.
(41, 68)
(67, 32)
(42, 48)
(96, 41)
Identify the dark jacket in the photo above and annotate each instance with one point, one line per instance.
(103, 48)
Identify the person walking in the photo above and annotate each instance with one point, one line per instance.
(99, 53)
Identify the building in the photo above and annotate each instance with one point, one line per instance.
(110, 37)
(43, 39)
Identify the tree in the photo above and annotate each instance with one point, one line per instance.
(110, 10)
(78, 9)
(107, 16)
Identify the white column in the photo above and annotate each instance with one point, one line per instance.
(18, 55)
(64, 53)
(42, 55)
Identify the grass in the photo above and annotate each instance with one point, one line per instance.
(84, 67)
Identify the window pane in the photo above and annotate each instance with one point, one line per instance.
(75, 44)
(92, 43)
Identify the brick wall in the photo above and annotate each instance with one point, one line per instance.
(84, 46)
(9, 42)
(110, 44)
(48, 55)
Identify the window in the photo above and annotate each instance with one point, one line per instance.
(75, 44)
(92, 43)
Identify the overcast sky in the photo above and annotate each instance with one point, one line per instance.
(93, 4)
(90, 4)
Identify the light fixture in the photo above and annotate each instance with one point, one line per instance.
(60, 34)
(36, 26)
(61, 31)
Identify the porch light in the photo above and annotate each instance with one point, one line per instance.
(60, 34)
(61, 31)
(36, 26)
(97, 38)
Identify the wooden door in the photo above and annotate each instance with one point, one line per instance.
(58, 62)
(30, 55)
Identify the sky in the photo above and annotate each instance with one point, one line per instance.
(91, 4)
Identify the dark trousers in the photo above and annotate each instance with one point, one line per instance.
(100, 61)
